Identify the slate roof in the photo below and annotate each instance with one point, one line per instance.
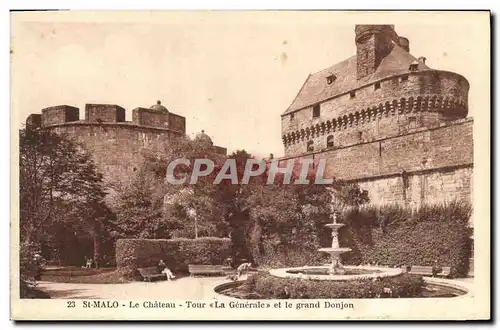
(316, 88)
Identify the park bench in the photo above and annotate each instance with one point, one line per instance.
(151, 273)
(206, 270)
(427, 271)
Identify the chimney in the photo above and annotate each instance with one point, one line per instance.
(421, 60)
(373, 43)
(404, 43)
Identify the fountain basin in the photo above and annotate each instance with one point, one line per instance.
(352, 273)
(433, 288)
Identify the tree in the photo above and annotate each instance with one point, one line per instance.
(149, 207)
(58, 183)
(138, 208)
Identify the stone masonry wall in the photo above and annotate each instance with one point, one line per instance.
(115, 148)
(435, 186)
(59, 114)
(176, 122)
(104, 113)
(426, 164)
(149, 117)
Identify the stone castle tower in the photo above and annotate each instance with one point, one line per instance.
(387, 121)
(115, 144)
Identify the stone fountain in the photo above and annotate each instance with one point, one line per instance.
(335, 271)
(335, 251)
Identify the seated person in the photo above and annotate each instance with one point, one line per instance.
(163, 269)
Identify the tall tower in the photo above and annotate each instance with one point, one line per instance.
(373, 43)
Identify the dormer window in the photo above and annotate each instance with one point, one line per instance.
(352, 94)
(413, 66)
(330, 79)
(316, 111)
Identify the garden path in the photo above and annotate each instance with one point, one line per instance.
(184, 288)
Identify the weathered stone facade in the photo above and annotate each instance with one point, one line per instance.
(387, 121)
(115, 144)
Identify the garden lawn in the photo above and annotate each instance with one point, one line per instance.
(84, 275)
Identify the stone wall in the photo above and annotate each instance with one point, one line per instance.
(115, 148)
(425, 98)
(59, 114)
(425, 164)
(435, 186)
(176, 122)
(104, 113)
(149, 117)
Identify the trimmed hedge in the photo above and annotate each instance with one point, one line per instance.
(390, 235)
(394, 236)
(402, 286)
(176, 253)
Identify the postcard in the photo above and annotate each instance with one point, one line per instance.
(250, 165)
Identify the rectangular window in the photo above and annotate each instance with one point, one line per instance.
(316, 111)
(377, 86)
(352, 94)
(412, 122)
(310, 146)
(404, 78)
(292, 116)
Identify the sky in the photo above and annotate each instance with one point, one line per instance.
(231, 74)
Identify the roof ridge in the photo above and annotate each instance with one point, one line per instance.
(336, 64)
(298, 93)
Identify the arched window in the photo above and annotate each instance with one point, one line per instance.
(310, 146)
(329, 141)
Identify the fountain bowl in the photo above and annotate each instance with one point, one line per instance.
(335, 226)
(336, 251)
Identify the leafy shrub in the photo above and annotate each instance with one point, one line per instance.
(177, 253)
(390, 235)
(27, 292)
(402, 286)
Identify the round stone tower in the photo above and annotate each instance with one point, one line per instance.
(114, 143)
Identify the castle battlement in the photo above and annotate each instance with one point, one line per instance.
(156, 118)
(114, 143)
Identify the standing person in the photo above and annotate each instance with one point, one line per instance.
(244, 267)
(37, 262)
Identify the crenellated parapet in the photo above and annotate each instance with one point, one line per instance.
(114, 143)
(444, 107)
(156, 117)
